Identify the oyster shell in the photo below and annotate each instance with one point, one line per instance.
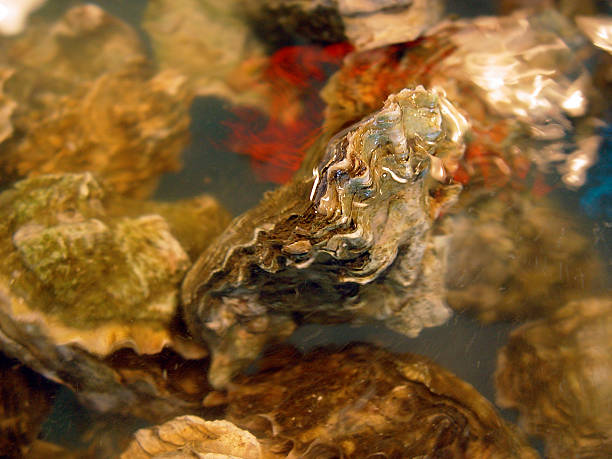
(513, 256)
(7, 107)
(25, 401)
(365, 24)
(374, 23)
(520, 78)
(85, 98)
(80, 284)
(364, 402)
(558, 373)
(190, 436)
(229, 56)
(288, 21)
(350, 243)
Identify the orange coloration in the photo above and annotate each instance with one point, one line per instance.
(540, 187)
(461, 175)
(294, 75)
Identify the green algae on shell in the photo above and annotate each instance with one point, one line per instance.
(350, 243)
(84, 272)
(85, 278)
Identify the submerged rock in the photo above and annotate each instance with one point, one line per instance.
(81, 285)
(364, 402)
(558, 373)
(80, 96)
(351, 243)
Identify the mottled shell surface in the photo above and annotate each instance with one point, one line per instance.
(364, 402)
(365, 24)
(193, 437)
(558, 373)
(87, 285)
(85, 271)
(514, 256)
(229, 55)
(25, 400)
(80, 95)
(350, 243)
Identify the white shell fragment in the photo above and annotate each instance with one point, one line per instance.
(193, 437)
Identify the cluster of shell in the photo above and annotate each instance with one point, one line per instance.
(154, 309)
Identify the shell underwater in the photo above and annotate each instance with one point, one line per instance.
(316, 229)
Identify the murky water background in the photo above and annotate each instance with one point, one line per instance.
(463, 345)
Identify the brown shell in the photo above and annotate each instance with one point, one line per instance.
(84, 98)
(350, 243)
(86, 289)
(558, 373)
(365, 23)
(227, 61)
(513, 256)
(25, 401)
(364, 402)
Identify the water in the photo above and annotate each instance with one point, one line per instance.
(463, 345)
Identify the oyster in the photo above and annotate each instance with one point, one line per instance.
(558, 373)
(7, 107)
(190, 436)
(80, 284)
(513, 256)
(82, 97)
(221, 62)
(302, 21)
(374, 23)
(350, 243)
(195, 222)
(520, 78)
(365, 24)
(364, 402)
(25, 401)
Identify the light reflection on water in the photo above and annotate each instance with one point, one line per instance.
(463, 345)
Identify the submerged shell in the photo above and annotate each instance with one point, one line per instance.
(514, 256)
(25, 401)
(350, 243)
(190, 436)
(83, 276)
(226, 61)
(374, 23)
(365, 24)
(79, 282)
(86, 99)
(521, 78)
(364, 402)
(558, 373)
